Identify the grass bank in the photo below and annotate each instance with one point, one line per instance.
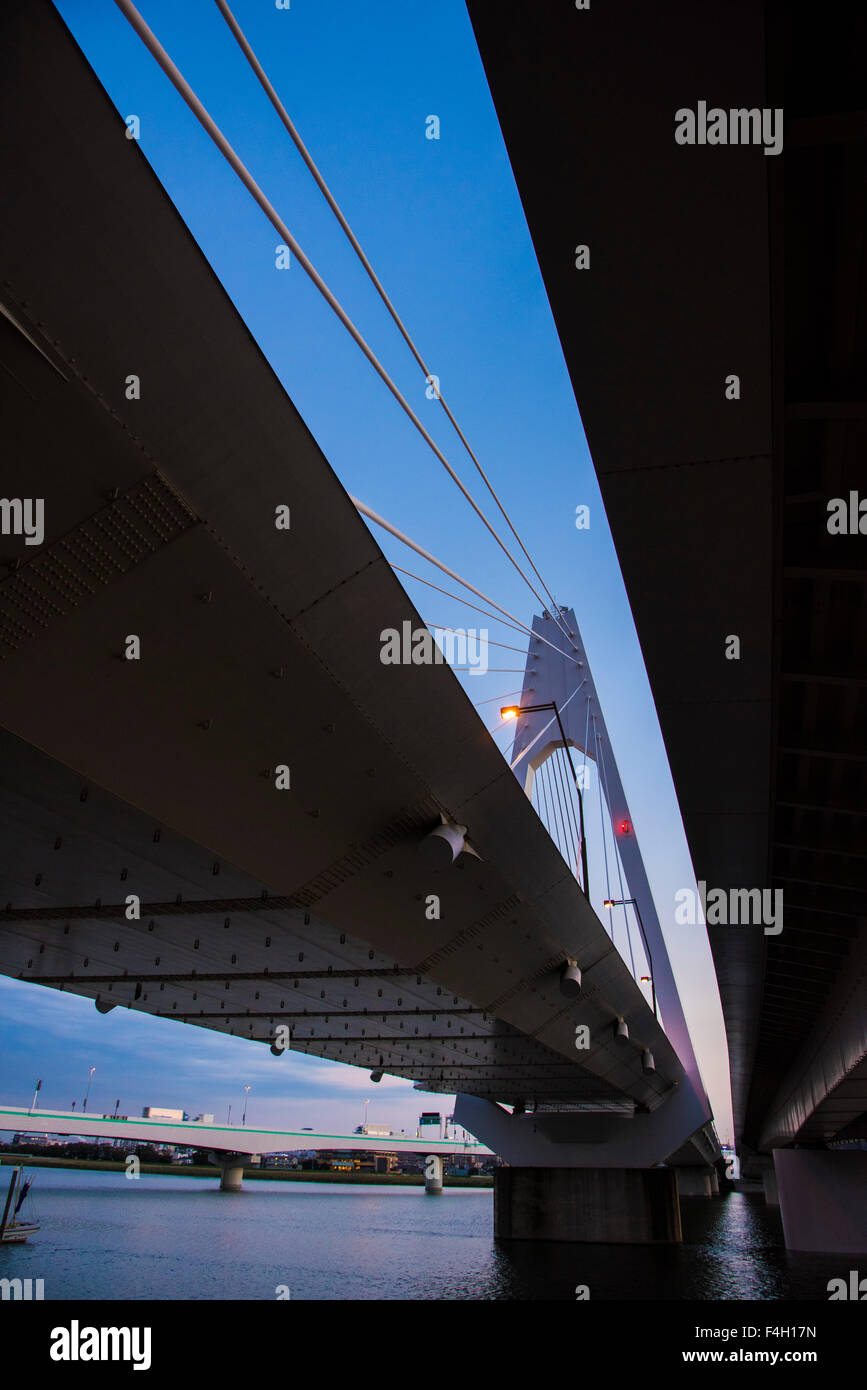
(181, 1170)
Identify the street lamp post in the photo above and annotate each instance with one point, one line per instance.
(512, 712)
(87, 1092)
(246, 1093)
(621, 902)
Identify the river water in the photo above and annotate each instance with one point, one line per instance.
(105, 1236)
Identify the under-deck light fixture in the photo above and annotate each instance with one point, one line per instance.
(442, 845)
(570, 979)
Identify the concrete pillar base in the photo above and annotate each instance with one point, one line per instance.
(433, 1175)
(231, 1166)
(769, 1182)
(695, 1182)
(231, 1177)
(823, 1199)
(625, 1206)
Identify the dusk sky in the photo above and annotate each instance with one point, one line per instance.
(442, 223)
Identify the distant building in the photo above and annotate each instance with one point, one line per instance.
(343, 1163)
(385, 1163)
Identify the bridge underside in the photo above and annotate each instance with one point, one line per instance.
(707, 261)
(155, 777)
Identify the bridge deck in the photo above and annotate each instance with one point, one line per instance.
(259, 647)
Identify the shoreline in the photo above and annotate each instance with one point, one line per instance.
(210, 1170)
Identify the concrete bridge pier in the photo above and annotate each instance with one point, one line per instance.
(433, 1175)
(231, 1167)
(823, 1199)
(769, 1183)
(623, 1206)
(697, 1182)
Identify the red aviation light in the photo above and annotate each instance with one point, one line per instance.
(625, 828)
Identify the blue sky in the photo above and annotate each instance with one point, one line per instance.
(442, 223)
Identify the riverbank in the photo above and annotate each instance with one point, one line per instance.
(197, 1170)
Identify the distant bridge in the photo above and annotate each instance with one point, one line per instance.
(230, 1144)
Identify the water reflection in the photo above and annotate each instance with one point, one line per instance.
(179, 1238)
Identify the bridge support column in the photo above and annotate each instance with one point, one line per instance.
(231, 1167)
(231, 1177)
(625, 1206)
(769, 1182)
(823, 1199)
(696, 1182)
(433, 1175)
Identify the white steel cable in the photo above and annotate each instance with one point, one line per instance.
(544, 798)
(602, 818)
(535, 740)
(180, 83)
(426, 555)
(564, 780)
(624, 905)
(555, 778)
(268, 88)
(465, 601)
(459, 632)
(509, 695)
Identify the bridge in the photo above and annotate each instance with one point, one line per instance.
(232, 1146)
(719, 503)
(245, 820)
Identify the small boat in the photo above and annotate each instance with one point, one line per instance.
(13, 1231)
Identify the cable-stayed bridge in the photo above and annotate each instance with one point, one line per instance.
(251, 822)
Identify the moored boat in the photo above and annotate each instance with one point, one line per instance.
(12, 1230)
